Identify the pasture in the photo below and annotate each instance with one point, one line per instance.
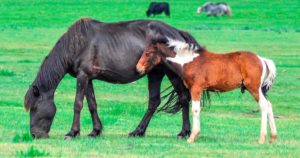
(29, 29)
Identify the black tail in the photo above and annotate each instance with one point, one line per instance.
(173, 104)
(264, 90)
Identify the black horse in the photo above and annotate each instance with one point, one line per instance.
(105, 51)
(158, 8)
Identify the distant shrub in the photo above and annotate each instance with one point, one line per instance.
(25, 137)
(25, 61)
(4, 72)
(32, 152)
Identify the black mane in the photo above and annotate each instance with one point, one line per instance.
(56, 64)
(159, 32)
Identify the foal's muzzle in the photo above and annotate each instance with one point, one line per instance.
(140, 69)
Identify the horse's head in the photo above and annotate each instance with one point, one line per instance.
(42, 111)
(153, 55)
(205, 7)
(148, 13)
(199, 10)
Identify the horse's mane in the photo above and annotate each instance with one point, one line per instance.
(56, 64)
(159, 32)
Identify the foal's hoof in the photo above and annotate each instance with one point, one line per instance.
(191, 140)
(273, 139)
(94, 133)
(137, 133)
(71, 135)
(261, 141)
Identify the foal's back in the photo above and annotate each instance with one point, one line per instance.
(224, 72)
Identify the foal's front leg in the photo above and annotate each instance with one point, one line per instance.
(82, 82)
(196, 109)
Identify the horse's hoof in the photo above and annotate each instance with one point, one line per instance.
(94, 133)
(71, 135)
(136, 133)
(183, 134)
(180, 136)
(68, 137)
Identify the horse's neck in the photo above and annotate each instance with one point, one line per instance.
(51, 72)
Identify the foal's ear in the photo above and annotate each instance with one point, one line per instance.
(36, 91)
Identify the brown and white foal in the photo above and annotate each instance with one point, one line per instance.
(203, 70)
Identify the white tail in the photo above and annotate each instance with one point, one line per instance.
(271, 72)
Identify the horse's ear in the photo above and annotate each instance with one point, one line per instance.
(36, 91)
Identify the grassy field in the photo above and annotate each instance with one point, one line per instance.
(29, 29)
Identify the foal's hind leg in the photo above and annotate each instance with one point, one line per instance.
(272, 123)
(82, 82)
(263, 104)
(90, 97)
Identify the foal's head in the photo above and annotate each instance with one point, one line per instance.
(153, 55)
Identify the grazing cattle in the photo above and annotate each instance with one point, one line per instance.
(203, 70)
(158, 8)
(215, 9)
(93, 50)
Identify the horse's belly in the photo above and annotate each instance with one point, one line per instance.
(114, 76)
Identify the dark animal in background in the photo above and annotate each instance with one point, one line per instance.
(158, 8)
(215, 9)
(105, 51)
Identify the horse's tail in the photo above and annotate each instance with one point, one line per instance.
(173, 103)
(269, 70)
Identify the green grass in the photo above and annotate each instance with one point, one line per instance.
(32, 152)
(29, 29)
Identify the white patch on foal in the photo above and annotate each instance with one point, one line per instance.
(184, 53)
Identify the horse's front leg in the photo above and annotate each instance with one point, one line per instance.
(196, 109)
(90, 97)
(82, 82)
(154, 80)
(184, 99)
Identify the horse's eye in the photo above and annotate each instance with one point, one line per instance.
(147, 54)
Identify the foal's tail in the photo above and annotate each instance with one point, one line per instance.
(269, 70)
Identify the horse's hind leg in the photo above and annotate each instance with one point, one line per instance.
(184, 99)
(154, 80)
(90, 97)
(82, 82)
